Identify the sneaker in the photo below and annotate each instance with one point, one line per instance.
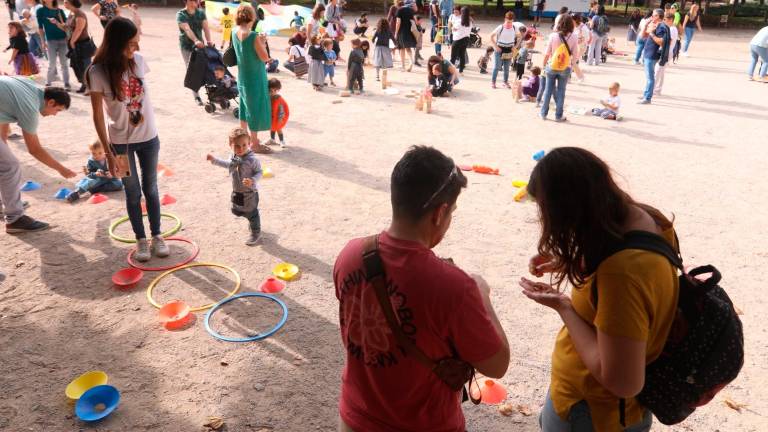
(538, 104)
(24, 204)
(81, 89)
(561, 119)
(506, 84)
(159, 248)
(253, 239)
(644, 102)
(282, 143)
(67, 88)
(25, 224)
(142, 251)
(73, 196)
(493, 85)
(685, 54)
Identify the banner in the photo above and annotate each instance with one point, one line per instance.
(277, 18)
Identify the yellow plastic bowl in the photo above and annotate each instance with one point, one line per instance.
(285, 271)
(85, 382)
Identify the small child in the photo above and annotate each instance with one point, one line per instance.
(528, 91)
(24, 62)
(361, 25)
(280, 112)
(97, 176)
(610, 109)
(226, 86)
(355, 72)
(365, 46)
(316, 66)
(382, 53)
(297, 20)
(329, 66)
(227, 22)
(246, 172)
(482, 62)
(522, 57)
(419, 40)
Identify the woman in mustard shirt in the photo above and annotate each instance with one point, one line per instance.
(601, 351)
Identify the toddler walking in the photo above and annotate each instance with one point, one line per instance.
(382, 53)
(245, 170)
(280, 112)
(316, 66)
(23, 61)
(97, 176)
(482, 62)
(355, 72)
(610, 109)
(329, 65)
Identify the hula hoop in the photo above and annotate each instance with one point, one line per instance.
(123, 219)
(259, 336)
(154, 283)
(192, 256)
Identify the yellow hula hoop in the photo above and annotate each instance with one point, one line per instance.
(124, 219)
(154, 283)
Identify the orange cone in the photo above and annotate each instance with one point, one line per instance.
(167, 199)
(97, 198)
(492, 392)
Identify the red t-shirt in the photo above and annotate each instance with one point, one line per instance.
(436, 302)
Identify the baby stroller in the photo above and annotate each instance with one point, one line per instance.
(475, 40)
(201, 73)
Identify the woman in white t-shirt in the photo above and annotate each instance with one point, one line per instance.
(557, 79)
(461, 27)
(117, 84)
(503, 40)
(295, 52)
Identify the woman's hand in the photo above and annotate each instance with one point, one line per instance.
(545, 295)
(540, 264)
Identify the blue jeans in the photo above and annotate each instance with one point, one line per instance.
(542, 85)
(498, 64)
(762, 53)
(555, 83)
(519, 14)
(639, 50)
(35, 47)
(433, 32)
(580, 419)
(649, 65)
(147, 152)
(689, 31)
(94, 184)
(595, 49)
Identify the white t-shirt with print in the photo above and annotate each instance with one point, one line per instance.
(132, 120)
(505, 37)
(614, 100)
(458, 30)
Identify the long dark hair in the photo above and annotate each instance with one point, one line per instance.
(111, 53)
(582, 211)
(465, 21)
(431, 64)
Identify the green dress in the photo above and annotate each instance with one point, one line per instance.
(255, 106)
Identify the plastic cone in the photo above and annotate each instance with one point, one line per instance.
(267, 172)
(519, 183)
(286, 271)
(167, 172)
(175, 314)
(85, 382)
(521, 194)
(482, 169)
(127, 277)
(97, 198)
(272, 285)
(30, 186)
(62, 193)
(167, 199)
(493, 393)
(465, 167)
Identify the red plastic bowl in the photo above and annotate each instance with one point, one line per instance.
(127, 277)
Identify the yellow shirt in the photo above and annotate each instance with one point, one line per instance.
(637, 299)
(226, 22)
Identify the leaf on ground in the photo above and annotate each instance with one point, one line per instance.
(506, 409)
(732, 404)
(214, 423)
(524, 410)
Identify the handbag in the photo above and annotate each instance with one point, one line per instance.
(452, 371)
(300, 67)
(230, 57)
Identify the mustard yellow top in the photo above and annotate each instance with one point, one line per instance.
(637, 298)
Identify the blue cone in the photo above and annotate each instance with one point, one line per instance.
(97, 403)
(538, 155)
(30, 186)
(62, 193)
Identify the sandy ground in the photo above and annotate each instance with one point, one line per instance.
(698, 152)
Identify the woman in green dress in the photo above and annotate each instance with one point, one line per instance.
(250, 48)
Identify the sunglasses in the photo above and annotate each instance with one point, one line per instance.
(454, 173)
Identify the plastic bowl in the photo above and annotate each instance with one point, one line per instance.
(85, 382)
(175, 314)
(285, 271)
(97, 403)
(127, 277)
(272, 285)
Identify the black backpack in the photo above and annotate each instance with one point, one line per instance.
(705, 347)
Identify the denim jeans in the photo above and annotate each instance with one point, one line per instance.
(254, 220)
(639, 50)
(147, 152)
(498, 64)
(762, 53)
(689, 31)
(433, 32)
(650, 77)
(580, 419)
(542, 85)
(595, 49)
(35, 47)
(58, 49)
(556, 83)
(94, 184)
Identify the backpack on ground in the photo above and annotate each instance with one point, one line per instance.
(704, 350)
(602, 25)
(561, 59)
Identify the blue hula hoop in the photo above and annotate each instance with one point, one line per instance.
(259, 336)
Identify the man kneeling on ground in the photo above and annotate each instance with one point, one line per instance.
(440, 309)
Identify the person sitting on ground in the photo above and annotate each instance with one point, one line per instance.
(361, 25)
(97, 178)
(610, 109)
(442, 311)
(442, 75)
(22, 102)
(527, 92)
(482, 62)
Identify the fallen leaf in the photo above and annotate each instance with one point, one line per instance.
(732, 404)
(524, 410)
(214, 423)
(506, 409)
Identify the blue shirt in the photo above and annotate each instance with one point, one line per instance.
(446, 7)
(652, 50)
(20, 102)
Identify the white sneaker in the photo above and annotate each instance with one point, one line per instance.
(142, 251)
(282, 144)
(159, 248)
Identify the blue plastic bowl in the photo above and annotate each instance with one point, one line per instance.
(97, 403)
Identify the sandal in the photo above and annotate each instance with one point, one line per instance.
(262, 149)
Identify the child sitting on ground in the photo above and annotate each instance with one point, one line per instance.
(482, 62)
(246, 172)
(355, 73)
(610, 109)
(280, 112)
(97, 176)
(329, 65)
(527, 92)
(361, 25)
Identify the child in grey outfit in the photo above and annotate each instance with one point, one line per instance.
(246, 172)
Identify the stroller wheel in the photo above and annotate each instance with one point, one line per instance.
(478, 42)
(210, 108)
(236, 113)
(225, 104)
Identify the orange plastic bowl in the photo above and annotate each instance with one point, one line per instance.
(175, 314)
(127, 277)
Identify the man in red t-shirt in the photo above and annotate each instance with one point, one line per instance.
(443, 310)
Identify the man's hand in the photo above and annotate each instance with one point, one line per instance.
(67, 173)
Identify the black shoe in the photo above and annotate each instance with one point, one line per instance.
(73, 196)
(67, 88)
(199, 101)
(25, 224)
(81, 89)
(417, 64)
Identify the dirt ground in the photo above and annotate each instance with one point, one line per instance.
(697, 152)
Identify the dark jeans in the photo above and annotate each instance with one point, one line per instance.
(459, 52)
(254, 220)
(147, 152)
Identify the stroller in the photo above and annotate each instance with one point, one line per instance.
(200, 73)
(475, 40)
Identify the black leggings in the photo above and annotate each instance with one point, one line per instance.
(459, 52)
(519, 70)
